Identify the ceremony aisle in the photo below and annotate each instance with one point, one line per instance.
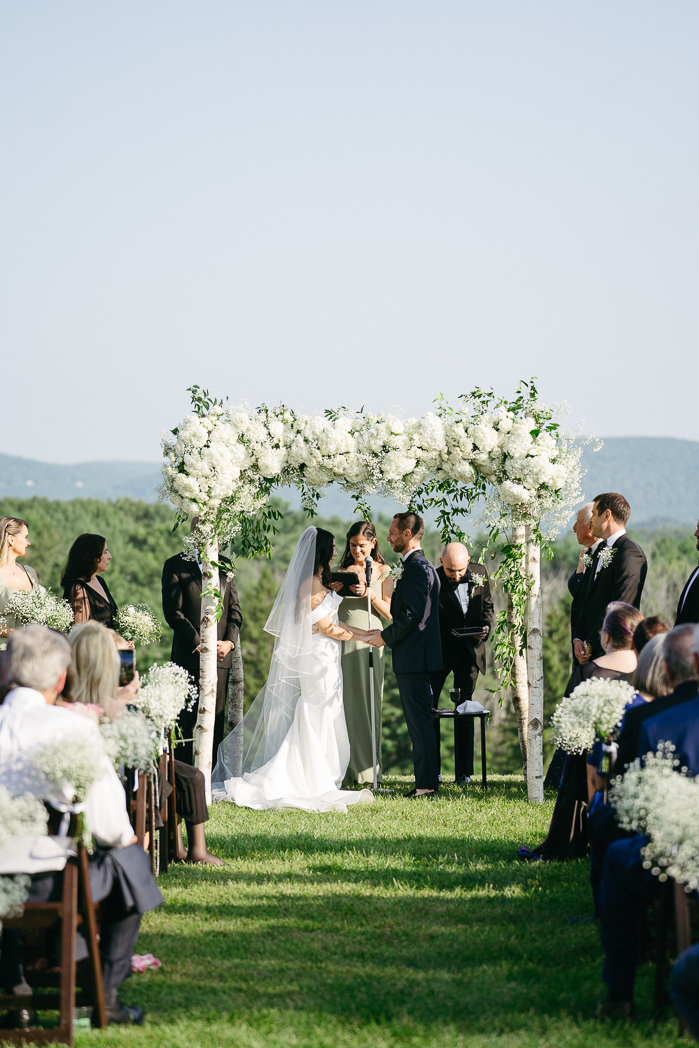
(400, 924)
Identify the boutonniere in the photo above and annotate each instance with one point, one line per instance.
(605, 557)
(588, 560)
(396, 572)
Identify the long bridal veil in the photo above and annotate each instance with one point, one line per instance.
(258, 737)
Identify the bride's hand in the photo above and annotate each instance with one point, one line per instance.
(337, 586)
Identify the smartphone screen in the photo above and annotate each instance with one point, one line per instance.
(127, 666)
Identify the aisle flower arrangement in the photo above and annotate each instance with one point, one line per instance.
(130, 741)
(659, 799)
(19, 817)
(593, 710)
(165, 691)
(68, 769)
(39, 606)
(137, 623)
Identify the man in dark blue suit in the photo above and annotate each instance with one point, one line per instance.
(626, 887)
(414, 639)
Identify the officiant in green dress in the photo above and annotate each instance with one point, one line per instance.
(362, 543)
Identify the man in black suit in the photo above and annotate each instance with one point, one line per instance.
(181, 588)
(688, 604)
(464, 603)
(617, 572)
(413, 637)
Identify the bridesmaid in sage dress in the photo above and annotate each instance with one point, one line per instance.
(14, 577)
(361, 543)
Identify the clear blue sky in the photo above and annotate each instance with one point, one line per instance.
(344, 202)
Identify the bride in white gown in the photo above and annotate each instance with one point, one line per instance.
(293, 740)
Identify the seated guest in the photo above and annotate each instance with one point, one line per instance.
(617, 663)
(650, 627)
(14, 577)
(120, 873)
(688, 604)
(464, 603)
(684, 989)
(88, 596)
(627, 888)
(679, 666)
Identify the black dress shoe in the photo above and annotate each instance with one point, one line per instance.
(20, 1019)
(617, 1011)
(120, 1014)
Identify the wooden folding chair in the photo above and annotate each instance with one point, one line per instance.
(76, 907)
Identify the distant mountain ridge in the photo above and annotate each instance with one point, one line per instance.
(658, 475)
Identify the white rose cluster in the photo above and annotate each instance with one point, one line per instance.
(222, 464)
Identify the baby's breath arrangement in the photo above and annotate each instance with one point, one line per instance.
(38, 606)
(137, 623)
(68, 767)
(130, 741)
(165, 691)
(593, 710)
(661, 800)
(19, 817)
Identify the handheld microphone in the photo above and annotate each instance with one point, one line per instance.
(367, 569)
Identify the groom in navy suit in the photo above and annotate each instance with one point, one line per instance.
(414, 639)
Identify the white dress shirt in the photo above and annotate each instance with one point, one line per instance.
(28, 721)
(610, 542)
(416, 549)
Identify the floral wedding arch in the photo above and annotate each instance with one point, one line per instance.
(508, 456)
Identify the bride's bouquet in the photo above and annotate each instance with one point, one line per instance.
(130, 741)
(19, 817)
(662, 801)
(38, 606)
(593, 710)
(165, 691)
(137, 623)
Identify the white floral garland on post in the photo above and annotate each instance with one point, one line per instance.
(222, 464)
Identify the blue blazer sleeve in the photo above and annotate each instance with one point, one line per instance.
(415, 587)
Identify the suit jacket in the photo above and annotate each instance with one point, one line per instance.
(181, 586)
(413, 634)
(679, 725)
(634, 721)
(690, 595)
(623, 579)
(481, 611)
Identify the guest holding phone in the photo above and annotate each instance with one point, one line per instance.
(466, 616)
(362, 543)
(14, 577)
(87, 594)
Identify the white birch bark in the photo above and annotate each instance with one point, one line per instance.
(208, 668)
(535, 672)
(520, 697)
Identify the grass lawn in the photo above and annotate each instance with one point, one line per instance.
(399, 924)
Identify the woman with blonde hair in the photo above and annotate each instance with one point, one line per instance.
(95, 683)
(14, 577)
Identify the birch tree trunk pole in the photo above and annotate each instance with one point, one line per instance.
(535, 672)
(208, 667)
(236, 692)
(520, 697)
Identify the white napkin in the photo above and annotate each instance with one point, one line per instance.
(471, 706)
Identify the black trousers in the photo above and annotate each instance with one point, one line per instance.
(459, 661)
(119, 924)
(416, 700)
(188, 718)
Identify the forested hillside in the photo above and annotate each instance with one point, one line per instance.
(140, 539)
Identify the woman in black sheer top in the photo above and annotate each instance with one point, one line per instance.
(87, 594)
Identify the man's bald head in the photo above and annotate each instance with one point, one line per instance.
(455, 560)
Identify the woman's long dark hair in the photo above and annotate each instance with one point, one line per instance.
(325, 542)
(83, 557)
(367, 530)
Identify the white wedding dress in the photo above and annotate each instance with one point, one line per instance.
(304, 763)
